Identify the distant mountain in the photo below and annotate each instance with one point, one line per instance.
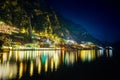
(40, 16)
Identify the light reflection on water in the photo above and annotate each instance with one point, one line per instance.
(8, 70)
(14, 64)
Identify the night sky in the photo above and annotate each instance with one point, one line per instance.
(101, 18)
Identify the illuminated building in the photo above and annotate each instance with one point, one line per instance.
(6, 29)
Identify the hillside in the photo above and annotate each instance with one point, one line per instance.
(37, 15)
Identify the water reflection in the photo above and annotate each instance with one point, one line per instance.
(109, 53)
(31, 68)
(87, 55)
(14, 64)
(8, 70)
(20, 70)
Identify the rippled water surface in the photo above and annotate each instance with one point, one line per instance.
(53, 64)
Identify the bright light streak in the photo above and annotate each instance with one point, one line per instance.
(52, 64)
(21, 70)
(46, 66)
(31, 68)
(39, 67)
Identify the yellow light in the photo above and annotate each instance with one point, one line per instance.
(46, 66)
(31, 68)
(63, 56)
(23, 30)
(39, 67)
(21, 70)
(82, 55)
(4, 56)
(33, 31)
(10, 54)
(52, 64)
(10, 75)
(56, 60)
(72, 58)
(8, 71)
(87, 55)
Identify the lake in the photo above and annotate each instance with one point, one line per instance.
(60, 64)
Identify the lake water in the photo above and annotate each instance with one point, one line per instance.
(57, 64)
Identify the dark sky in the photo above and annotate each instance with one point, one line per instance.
(101, 18)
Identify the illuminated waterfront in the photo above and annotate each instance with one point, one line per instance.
(16, 63)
